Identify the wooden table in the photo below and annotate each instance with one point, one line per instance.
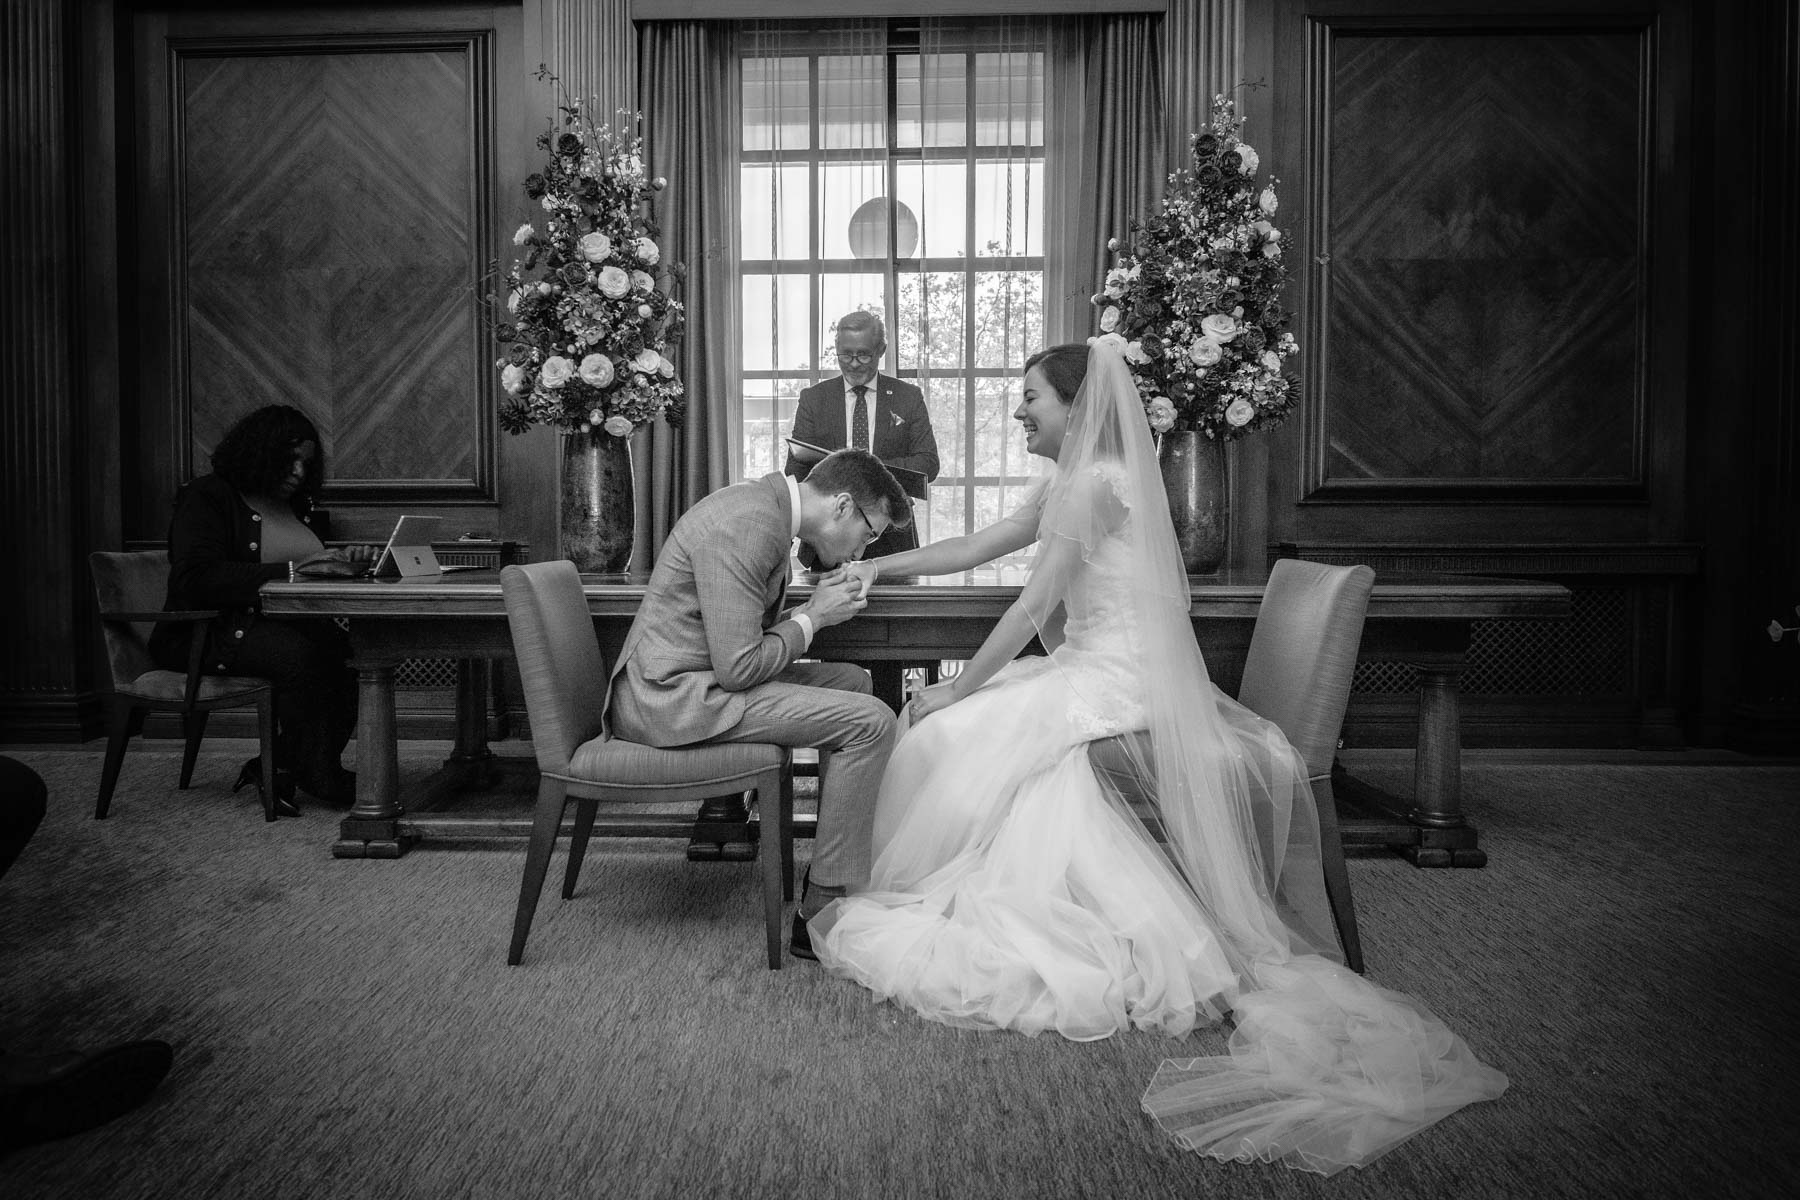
(1421, 620)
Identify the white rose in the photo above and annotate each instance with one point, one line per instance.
(647, 361)
(666, 369)
(642, 281)
(613, 282)
(1271, 250)
(1219, 327)
(596, 370)
(1250, 161)
(525, 234)
(647, 252)
(1162, 414)
(1271, 361)
(1239, 414)
(549, 203)
(1266, 201)
(512, 378)
(557, 371)
(595, 247)
(645, 311)
(618, 426)
(1205, 352)
(1134, 353)
(1109, 318)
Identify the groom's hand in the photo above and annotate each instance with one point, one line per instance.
(836, 598)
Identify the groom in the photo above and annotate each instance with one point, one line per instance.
(710, 656)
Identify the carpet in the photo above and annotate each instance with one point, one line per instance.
(348, 1028)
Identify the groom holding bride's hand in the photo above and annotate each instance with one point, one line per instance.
(710, 657)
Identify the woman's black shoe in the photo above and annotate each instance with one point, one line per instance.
(284, 786)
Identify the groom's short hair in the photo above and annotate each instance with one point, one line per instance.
(862, 475)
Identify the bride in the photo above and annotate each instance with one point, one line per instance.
(1014, 888)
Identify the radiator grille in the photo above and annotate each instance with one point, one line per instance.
(1587, 655)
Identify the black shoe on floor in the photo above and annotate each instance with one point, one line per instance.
(54, 1096)
(800, 940)
(722, 831)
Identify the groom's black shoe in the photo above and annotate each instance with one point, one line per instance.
(800, 941)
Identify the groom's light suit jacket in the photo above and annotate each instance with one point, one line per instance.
(710, 626)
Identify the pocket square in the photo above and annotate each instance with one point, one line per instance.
(898, 419)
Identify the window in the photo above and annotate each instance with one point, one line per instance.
(899, 171)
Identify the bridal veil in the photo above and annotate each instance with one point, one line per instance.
(1323, 1070)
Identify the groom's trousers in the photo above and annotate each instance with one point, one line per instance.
(827, 706)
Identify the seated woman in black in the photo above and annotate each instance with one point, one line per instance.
(234, 530)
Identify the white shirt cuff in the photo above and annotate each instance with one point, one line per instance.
(806, 630)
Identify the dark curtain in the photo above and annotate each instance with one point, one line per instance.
(1106, 137)
(688, 91)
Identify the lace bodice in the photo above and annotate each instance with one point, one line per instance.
(1102, 654)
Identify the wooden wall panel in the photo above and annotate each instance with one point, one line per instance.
(1481, 260)
(323, 215)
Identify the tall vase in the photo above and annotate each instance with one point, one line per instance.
(1193, 472)
(595, 518)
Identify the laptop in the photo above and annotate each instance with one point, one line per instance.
(408, 551)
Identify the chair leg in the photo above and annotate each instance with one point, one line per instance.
(585, 808)
(786, 824)
(544, 824)
(265, 737)
(1337, 875)
(194, 726)
(768, 856)
(118, 732)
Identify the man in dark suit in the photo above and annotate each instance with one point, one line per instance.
(892, 424)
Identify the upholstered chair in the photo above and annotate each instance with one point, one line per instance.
(1297, 674)
(564, 676)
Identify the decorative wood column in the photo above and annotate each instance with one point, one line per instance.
(47, 673)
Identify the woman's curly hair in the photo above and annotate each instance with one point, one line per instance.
(258, 452)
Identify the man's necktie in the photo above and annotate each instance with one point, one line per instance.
(859, 420)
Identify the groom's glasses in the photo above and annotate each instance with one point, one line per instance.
(856, 358)
(874, 535)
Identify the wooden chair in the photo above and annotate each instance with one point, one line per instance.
(130, 588)
(1297, 674)
(564, 677)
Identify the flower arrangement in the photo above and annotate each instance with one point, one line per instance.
(589, 321)
(1194, 302)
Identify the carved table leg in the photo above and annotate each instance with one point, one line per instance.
(471, 752)
(1445, 839)
(370, 831)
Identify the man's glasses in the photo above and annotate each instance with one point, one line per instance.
(873, 534)
(860, 358)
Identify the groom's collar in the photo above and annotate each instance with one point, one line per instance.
(793, 491)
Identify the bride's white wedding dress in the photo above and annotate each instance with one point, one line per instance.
(1012, 888)
(1009, 889)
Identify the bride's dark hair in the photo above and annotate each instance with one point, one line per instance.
(1065, 366)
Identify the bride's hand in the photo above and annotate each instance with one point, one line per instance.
(865, 572)
(933, 698)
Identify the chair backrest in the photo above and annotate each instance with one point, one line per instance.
(132, 582)
(1303, 653)
(560, 664)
